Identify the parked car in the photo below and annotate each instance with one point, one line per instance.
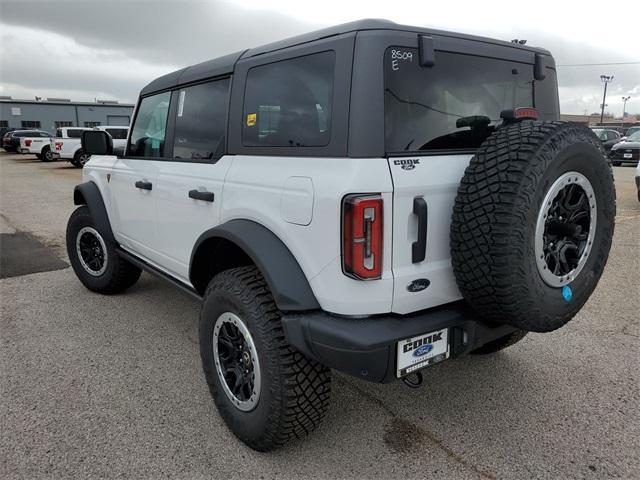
(11, 140)
(631, 131)
(36, 143)
(333, 198)
(626, 151)
(67, 145)
(608, 137)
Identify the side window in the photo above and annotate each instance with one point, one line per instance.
(150, 125)
(117, 133)
(201, 120)
(288, 103)
(74, 133)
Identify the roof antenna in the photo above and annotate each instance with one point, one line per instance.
(518, 42)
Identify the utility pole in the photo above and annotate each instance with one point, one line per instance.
(624, 107)
(604, 79)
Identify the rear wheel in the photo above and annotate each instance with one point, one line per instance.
(45, 155)
(266, 391)
(532, 224)
(94, 258)
(80, 159)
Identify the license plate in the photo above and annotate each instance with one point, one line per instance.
(627, 155)
(418, 352)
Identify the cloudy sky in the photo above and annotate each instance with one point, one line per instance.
(109, 49)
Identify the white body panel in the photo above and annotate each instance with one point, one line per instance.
(35, 145)
(299, 199)
(268, 190)
(436, 178)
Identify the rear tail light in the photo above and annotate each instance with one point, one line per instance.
(362, 236)
(28, 142)
(58, 145)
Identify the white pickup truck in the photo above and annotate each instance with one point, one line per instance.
(67, 143)
(36, 143)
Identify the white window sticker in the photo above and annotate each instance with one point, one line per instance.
(16, 111)
(181, 102)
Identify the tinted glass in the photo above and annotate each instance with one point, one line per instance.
(147, 136)
(288, 103)
(59, 133)
(74, 133)
(45, 134)
(201, 120)
(117, 133)
(456, 103)
(25, 133)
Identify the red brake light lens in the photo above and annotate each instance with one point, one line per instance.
(28, 142)
(58, 145)
(522, 112)
(362, 236)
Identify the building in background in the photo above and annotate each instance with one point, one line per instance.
(53, 113)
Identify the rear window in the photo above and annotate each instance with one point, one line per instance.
(288, 103)
(456, 104)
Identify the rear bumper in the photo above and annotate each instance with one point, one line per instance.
(55, 155)
(366, 348)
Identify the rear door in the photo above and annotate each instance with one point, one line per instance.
(189, 183)
(435, 118)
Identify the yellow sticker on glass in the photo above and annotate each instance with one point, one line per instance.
(251, 119)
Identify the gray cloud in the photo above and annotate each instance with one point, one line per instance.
(95, 48)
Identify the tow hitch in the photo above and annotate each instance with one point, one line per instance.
(417, 383)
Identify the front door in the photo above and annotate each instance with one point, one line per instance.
(134, 178)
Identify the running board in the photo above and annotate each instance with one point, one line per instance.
(138, 262)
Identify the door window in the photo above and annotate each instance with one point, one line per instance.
(149, 128)
(201, 120)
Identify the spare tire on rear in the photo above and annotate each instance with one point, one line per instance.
(532, 224)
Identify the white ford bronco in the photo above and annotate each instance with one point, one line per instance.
(370, 198)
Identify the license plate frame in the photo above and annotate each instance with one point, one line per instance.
(415, 353)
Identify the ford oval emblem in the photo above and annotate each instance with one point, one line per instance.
(423, 350)
(418, 285)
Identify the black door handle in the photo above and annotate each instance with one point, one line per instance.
(144, 185)
(198, 195)
(419, 247)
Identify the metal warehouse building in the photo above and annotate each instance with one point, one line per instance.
(53, 113)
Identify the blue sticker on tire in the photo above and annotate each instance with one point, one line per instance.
(567, 294)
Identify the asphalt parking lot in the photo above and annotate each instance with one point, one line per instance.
(96, 386)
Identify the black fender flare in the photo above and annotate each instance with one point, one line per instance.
(288, 284)
(89, 194)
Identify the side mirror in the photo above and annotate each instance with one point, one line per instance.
(97, 142)
(119, 151)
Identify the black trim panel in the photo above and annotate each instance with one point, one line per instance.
(138, 262)
(287, 282)
(366, 348)
(89, 194)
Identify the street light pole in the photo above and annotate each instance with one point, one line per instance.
(604, 79)
(624, 107)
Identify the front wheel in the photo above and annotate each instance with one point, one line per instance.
(94, 258)
(265, 390)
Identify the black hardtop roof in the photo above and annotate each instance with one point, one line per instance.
(225, 65)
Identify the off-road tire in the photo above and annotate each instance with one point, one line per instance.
(295, 391)
(119, 273)
(45, 154)
(500, 343)
(495, 215)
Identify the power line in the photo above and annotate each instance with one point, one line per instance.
(598, 64)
